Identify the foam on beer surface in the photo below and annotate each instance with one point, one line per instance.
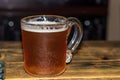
(42, 22)
(43, 28)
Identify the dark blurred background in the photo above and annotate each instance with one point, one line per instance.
(92, 14)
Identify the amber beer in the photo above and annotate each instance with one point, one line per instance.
(44, 51)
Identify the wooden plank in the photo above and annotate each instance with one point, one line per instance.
(17, 45)
(82, 54)
(15, 70)
(92, 61)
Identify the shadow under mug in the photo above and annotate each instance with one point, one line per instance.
(45, 43)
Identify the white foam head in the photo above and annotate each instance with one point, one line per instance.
(42, 22)
(43, 27)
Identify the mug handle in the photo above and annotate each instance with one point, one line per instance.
(75, 24)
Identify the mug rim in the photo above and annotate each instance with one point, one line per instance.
(57, 16)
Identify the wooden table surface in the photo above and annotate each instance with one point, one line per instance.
(93, 60)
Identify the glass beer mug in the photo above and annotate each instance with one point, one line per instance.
(45, 43)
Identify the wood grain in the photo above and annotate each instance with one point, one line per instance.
(93, 60)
